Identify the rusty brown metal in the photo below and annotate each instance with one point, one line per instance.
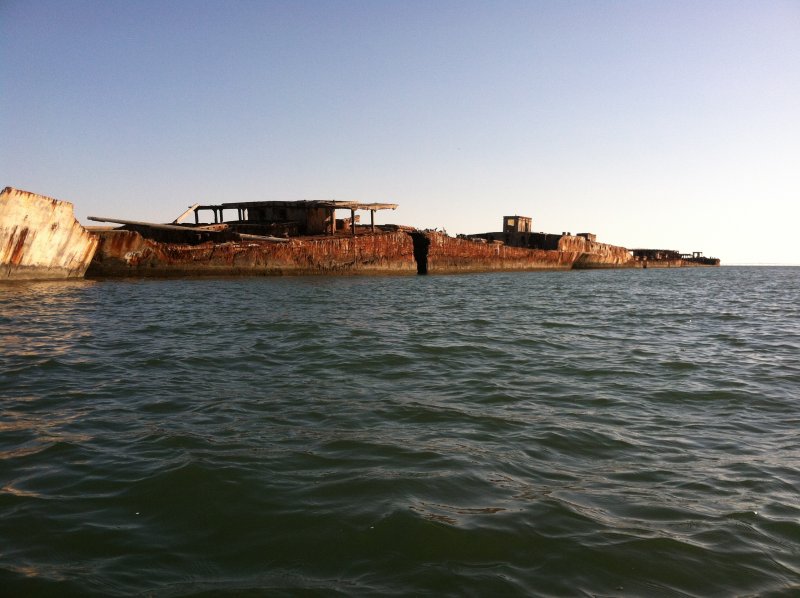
(128, 253)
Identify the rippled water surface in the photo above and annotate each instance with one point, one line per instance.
(620, 433)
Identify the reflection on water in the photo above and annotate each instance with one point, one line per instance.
(40, 429)
(44, 318)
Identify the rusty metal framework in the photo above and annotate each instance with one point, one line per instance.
(247, 209)
(309, 204)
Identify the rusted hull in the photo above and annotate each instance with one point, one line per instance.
(449, 255)
(40, 238)
(127, 253)
(594, 255)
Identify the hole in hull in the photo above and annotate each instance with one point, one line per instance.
(421, 244)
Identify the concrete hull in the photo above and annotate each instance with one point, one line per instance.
(594, 255)
(448, 255)
(128, 253)
(40, 238)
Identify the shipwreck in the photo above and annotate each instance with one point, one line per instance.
(308, 237)
(40, 238)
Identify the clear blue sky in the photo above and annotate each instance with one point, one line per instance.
(657, 124)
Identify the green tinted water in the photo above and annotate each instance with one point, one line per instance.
(571, 433)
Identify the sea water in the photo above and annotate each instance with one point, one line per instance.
(626, 433)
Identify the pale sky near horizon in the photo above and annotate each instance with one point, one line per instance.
(652, 124)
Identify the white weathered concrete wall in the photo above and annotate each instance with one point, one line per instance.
(40, 238)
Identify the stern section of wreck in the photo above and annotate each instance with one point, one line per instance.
(41, 239)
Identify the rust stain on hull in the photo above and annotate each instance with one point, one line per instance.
(40, 238)
(16, 252)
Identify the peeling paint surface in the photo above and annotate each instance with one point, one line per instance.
(40, 238)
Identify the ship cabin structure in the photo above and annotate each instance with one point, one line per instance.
(287, 218)
(516, 224)
(518, 232)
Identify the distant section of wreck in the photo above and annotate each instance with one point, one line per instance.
(306, 237)
(583, 247)
(40, 238)
(517, 232)
(669, 258)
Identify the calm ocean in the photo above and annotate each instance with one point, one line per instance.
(612, 433)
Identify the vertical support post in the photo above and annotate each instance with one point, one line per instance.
(372, 219)
(353, 220)
(196, 217)
(333, 221)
